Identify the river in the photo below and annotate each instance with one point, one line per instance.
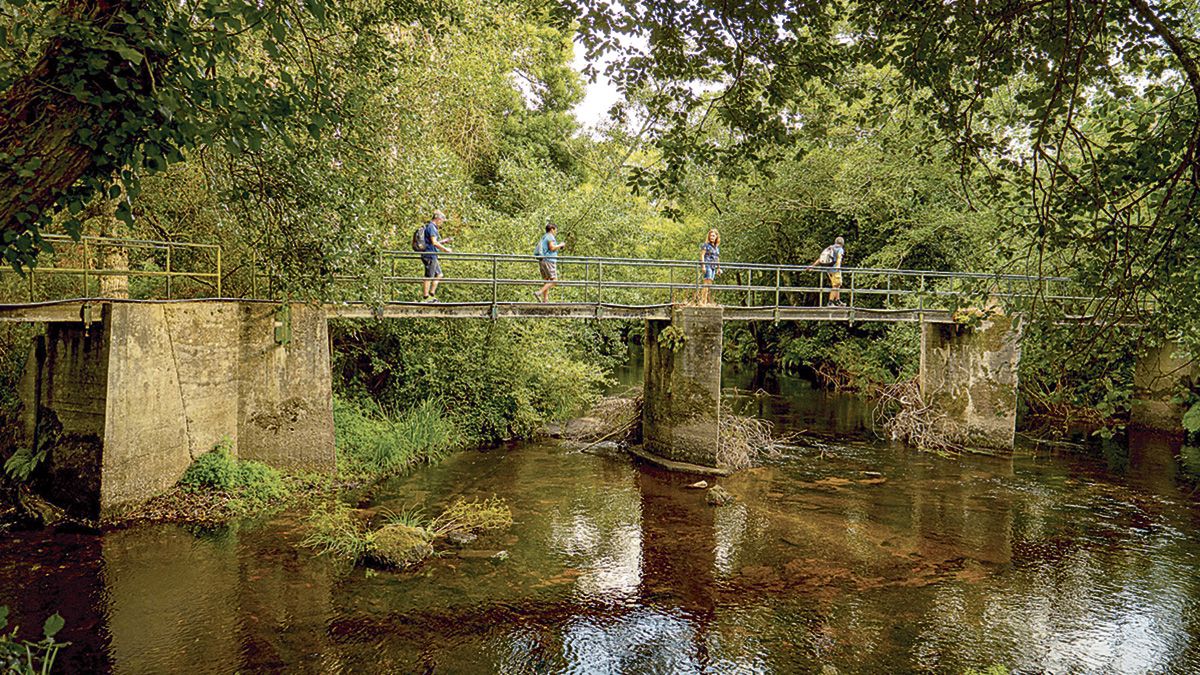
(845, 554)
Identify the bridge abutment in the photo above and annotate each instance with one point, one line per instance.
(127, 403)
(682, 398)
(1160, 373)
(970, 374)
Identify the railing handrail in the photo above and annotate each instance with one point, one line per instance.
(752, 266)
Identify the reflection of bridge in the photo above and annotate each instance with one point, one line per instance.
(146, 363)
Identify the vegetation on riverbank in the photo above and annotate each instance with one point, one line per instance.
(374, 445)
(219, 488)
(403, 540)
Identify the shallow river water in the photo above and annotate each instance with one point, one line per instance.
(846, 553)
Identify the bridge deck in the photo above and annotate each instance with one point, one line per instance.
(89, 310)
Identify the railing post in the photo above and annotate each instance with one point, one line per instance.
(921, 301)
(600, 283)
(778, 279)
(87, 264)
(31, 284)
(887, 299)
(254, 274)
(495, 285)
(219, 272)
(671, 282)
(851, 274)
(169, 247)
(820, 289)
(395, 295)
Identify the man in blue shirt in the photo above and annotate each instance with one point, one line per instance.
(547, 255)
(433, 268)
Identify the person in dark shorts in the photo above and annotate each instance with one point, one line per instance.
(547, 255)
(433, 267)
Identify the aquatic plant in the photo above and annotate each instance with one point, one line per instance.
(406, 539)
(472, 516)
(333, 529)
(28, 657)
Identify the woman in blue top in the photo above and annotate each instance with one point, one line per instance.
(710, 259)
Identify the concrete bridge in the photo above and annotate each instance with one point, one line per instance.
(127, 392)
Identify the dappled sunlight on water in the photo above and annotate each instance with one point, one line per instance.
(844, 552)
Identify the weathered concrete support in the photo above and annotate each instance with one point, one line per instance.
(129, 402)
(285, 392)
(1161, 373)
(681, 412)
(971, 375)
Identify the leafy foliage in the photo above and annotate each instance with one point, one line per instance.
(27, 657)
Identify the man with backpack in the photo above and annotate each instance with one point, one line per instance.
(832, 257)
(425, 240)
(547, 254)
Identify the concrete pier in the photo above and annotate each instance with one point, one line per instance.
(127, 403)
(1162, 371)
(971, 375)
(681, 413)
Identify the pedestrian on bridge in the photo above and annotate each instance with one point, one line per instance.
(433, 268)
(832, 257)
(710, 261)
(547, 255)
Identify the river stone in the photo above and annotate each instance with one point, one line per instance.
(459, 538)
(718, 496)
(604, 449)
(398, 545)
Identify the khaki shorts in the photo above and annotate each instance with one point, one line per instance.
(835, 279)
(549, 269)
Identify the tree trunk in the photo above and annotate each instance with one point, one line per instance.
(40, 126)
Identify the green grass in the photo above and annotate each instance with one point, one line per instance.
(378, 444)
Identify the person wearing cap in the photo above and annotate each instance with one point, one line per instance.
(832, 257)
(547, 255)
(433, 268)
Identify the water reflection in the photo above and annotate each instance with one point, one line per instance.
(850, 553)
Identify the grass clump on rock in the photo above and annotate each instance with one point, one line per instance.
(405, 540)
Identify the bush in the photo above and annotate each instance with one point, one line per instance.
(383, 445)
(252, 482)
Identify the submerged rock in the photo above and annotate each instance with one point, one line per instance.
(718, 496)
(460, 538)
(604, 449)
(398, 545)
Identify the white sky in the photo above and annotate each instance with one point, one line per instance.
(601, 94)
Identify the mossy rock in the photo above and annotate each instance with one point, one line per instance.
(399, 545)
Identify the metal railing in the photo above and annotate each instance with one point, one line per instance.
(75, 269)
(504, 278)
(81, 268)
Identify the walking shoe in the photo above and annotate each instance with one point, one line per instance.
(537, 297)
(430, 298)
